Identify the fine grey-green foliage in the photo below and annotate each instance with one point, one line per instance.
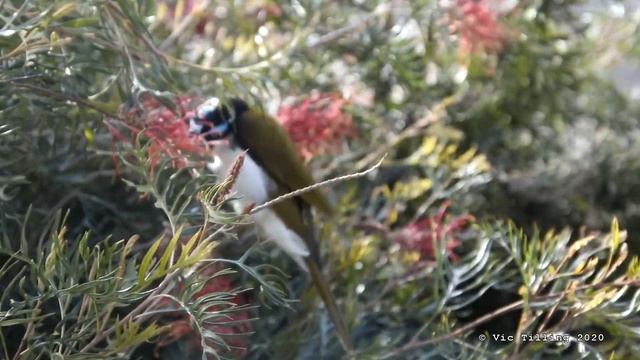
(567, 291)
(84, 255)
(103, 300)
(70, 287)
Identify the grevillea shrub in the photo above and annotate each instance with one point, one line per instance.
(318, 124)
(506, 172)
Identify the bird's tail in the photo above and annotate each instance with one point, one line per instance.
(330, 302)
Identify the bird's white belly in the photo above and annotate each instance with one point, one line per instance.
(253, 186)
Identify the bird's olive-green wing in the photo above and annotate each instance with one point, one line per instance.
(270, 146)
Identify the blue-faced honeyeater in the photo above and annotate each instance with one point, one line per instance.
(271, 168)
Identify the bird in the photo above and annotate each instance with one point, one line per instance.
(271, 168)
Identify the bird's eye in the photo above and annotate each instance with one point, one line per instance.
(213, 119)
(215, 112)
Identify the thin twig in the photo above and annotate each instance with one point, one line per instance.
(458, 332)
(27, 333)
(149, 302)
(433, 116)
(184, 24)
(246, 69)
(413, 345)
(315, 186)
(73, 98)
(331, 36)
(144, 35)
(551, 312)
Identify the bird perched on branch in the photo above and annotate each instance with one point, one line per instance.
(271, 168)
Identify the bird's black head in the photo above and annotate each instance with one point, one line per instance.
(215, 120)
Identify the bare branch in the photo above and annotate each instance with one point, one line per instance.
(414, 345)
(458, 332)
(433, 116)
(381, 10)
(316, 186)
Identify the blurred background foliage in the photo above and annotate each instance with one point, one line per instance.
(510, 130)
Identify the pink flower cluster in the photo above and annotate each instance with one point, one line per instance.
(317, 124)
(169, 133)
(478, 26)
(166, 130)
(420, 235)
(235, 332)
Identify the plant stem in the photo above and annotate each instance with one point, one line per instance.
(316, 186)
(27, 332)
(414, 345)
(139, 309)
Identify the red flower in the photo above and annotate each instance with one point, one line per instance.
(166, 130)
(478, 26)
(421, 235)
(169, 133)
(237, 328)
(318, 124)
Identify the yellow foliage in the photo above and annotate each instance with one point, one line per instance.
(633, 270)
(63, 10)
(586, 266)
(358, 251)
(88, 134)
(617, 236)
(411, 257)
(411, 190)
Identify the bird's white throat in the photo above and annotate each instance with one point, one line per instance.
(254, 186)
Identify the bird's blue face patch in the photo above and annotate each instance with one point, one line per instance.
(222, 128)
(212, 119)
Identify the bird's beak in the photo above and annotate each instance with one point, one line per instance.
(202, 129)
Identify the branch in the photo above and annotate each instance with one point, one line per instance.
(68, 97)
(315, 186)
(331, 36)
(413, 345)
(433, 116)
(27, 333)
(150, 301)
(184, 24)
(459, 331)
